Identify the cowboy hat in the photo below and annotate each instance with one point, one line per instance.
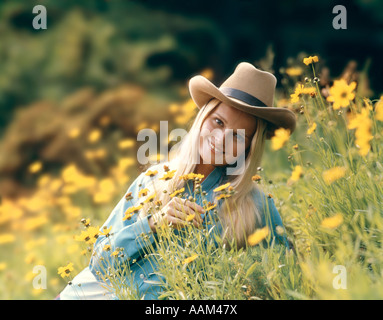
(248, 89)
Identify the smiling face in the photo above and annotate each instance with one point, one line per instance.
(225, 133)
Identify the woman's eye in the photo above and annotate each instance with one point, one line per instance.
(218, 121)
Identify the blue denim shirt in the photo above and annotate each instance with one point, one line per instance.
(130, 234)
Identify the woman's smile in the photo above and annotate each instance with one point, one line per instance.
(214, 148)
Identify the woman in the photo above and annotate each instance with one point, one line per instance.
(223, 147)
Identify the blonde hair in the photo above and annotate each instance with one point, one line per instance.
(239, 215)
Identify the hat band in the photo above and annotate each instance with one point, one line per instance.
(243, 96)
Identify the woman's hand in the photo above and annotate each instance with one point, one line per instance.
(177, 212)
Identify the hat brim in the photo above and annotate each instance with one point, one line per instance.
(202, 91)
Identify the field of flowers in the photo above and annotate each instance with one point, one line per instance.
(330, 197)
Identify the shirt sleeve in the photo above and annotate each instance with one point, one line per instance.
(128, 238)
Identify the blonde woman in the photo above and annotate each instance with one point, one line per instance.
(224, 146)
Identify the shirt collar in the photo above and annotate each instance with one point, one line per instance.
(213, 178)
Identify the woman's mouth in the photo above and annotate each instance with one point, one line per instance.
(214, 148)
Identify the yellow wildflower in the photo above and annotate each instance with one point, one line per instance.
(89, 236)
(222, 196)
(126, 143)
(150, 173)
(223, 187)
(94, 135)
(341, 93)
(3, 266)
(7, 238)
(150, 198)
(192, 176)
(333, 174)
(86, 222)
(177, 192)
(210, 206)
(65, 271)
(379, 109)
(310, 60)
(168, 175)
(143, 192)
(35, 167)
(190, 217)
(312, 128)
(107, 247)
(106, 231)
(332, 222)
(256, 178)
(131, 211)
(296, 174)
(362, 123)
(258, 236)
(281, 136)
(294, 71)
(190, 259)
(299, 91)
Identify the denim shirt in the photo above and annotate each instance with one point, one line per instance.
(133, 236)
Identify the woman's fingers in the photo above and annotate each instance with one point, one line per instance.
(189, 208)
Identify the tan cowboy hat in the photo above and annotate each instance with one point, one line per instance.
(248, 89)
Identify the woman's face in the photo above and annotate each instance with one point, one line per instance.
(225, 133)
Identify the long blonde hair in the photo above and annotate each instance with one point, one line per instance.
(239, 216)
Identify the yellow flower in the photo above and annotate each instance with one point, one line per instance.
(190, 259)
(256, 178)
(192, 176)
(294, 71)
(332, 222)
(3, 266)
(299, 91)
(190, 217)
(333, 174)
(220, 188)
(310, 60)
(89, 236)
(130, 212)
(258, 236)
(7, 238)
(379, 109)
(94, 135)
(115, 253)
(362, 123)
(106, 231)
(177, 192)
(297, 173)
(65, 271)
(150, 173)
(107, 247)
(143, 192)
(150, 198)
(86, 222)
(210, 206)
(281, 136)
(168, 175)
(222, 196)
(126, 143)
(35, 167)
(341, 93)
(312, 128)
